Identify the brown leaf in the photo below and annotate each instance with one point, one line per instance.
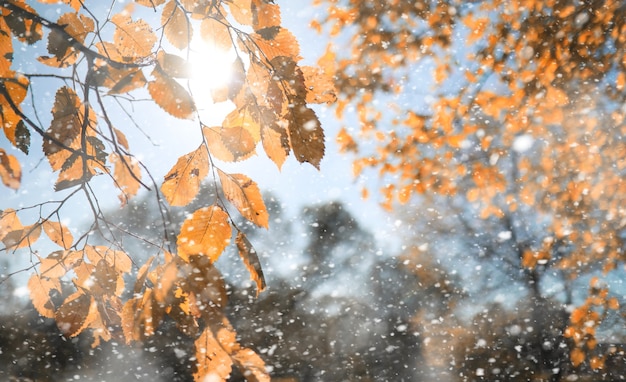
(182, 182)
(170, 95)
(207, 285)
(117, 259)
(58, 233)
(104, 280)
(206, 232)
(306, 135)
(10, 170)
(142, 274)
(250, 258)
(244, 194)
(176, 26)
(26, 30)
(72, 316)
(212, 362)
(140, 317)
(9, 221)
(40, 289)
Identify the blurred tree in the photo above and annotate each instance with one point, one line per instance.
(524, 118)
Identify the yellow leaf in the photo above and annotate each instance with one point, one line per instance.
(182, 182)
(249, 256)
(40, 289)
(170, 95)
(206, 232)
(176, 25)
(10, 170)
(58, 233)
(244, 194)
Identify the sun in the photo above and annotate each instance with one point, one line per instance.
(211, 70)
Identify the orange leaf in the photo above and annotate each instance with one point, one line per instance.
(215, 32)
(133, 39)
(182, 182)
(126, 174)
(230, 144)
(58, 263)
(249, 256)
(58, 233)
(265, 15)
(173, 65)
(577, 356)
(277, 42)
(170, 95)
(23, 237)
(140, 317)
(9, 221)
(206, 232)
(251, 365)
(244, 194)
(117, 259)
(241, 11)
(212, 361)
(40, 288)
(275, 143)
(10, 170)
(176, 25)
(320, 87)
(72, 316)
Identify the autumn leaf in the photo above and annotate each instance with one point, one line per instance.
(74, 314)
(40, 289)
(276, 42)
(133, 39)
(244, 194)
(10, 170)
(115, 258)
(170, 95)
(229, 144)
(214, 31)
(208, 286)
(176, 25)
(126, 174)
(25, 30)
(182, 182)
(173, 65)
(206, 232)
(241, 11)
(58, 263)
(212, 361)
(251, 365)
(275, 143)
(58, 233)
(320, 87)
(250, 258)
(306, 135)
(265, 15)
(23, 237)
(64, 53)
(9, 221)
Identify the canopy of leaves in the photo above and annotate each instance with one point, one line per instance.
(526, 112)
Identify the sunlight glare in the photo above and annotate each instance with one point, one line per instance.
(210, 71)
